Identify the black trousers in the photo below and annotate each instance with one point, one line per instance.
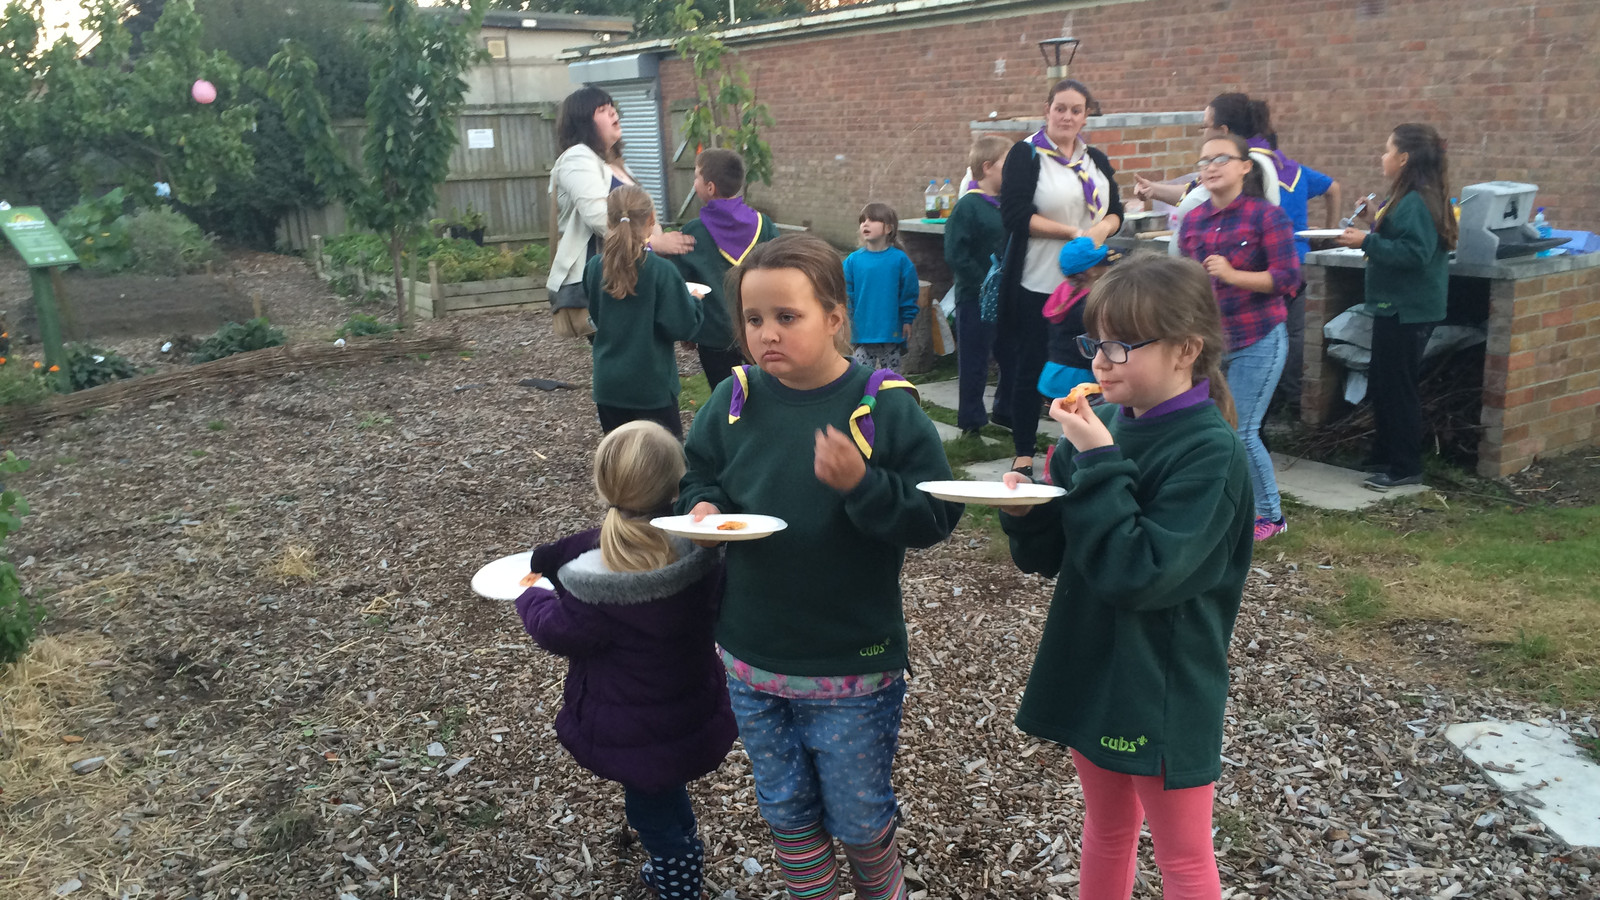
(614, 417)
(1392, 385)
(1026, 339)
(718, 364)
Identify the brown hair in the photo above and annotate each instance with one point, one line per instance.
(723, 169)
(1168, 298)
(630, 218)
(575, 122)
(1426, 172)
(814, 258)
(1255, 182)
(991, 148)
(636, 472)
(1090, 104)
(1242, 116)
(883, 212)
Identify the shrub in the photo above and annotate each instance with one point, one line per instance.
(19, 616)
(164, 242)
(459, 260)
(362, 324)
(256, 334)
(89, 367)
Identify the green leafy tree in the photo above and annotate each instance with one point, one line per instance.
(725, 112)
(653, 18)
(133, 110)
(416, 62)
(21, 64)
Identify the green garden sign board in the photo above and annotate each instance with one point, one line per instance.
(42, 249)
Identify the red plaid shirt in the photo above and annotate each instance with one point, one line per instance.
(1254, 236)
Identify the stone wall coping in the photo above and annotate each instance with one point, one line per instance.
(1112, 120)
(1507, 270)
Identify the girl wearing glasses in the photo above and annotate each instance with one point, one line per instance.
(1246, 245)
(1132, 669)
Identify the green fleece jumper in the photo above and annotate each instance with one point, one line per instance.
(821, 597)
(1152, 545)
(972, 234)
(1408, 269)
(706, 264)
(634, 364)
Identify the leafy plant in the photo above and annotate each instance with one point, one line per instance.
(416, 63)
(363, 324)
(459, 260)
(164, 242)
(89, 367)
(98, 232)
(20, 385)
(236, 337)
(19, 616)
(725, 112)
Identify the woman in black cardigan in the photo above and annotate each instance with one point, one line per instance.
(1055, 188)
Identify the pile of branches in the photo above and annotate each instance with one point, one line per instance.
(1452, 408)
(251, 366)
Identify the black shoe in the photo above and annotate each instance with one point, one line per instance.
(1383, 481)
(1372, 466)
(1000, 421)
(970, 432)
(1024, 471)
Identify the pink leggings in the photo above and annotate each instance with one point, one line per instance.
(1115, 805)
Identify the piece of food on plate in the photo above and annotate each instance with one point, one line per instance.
(530, 579)
(1088, 388)
(731, 526)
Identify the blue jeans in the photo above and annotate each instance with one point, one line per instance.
(665, 820)
(1253, 373)
(822, 760)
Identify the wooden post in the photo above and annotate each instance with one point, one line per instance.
(435, 293)
(411, 281)
(69, 319)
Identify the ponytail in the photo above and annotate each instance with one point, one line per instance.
(1426, 172)
(636, 472)
(1261, 123)
(630, 218)
(1168, 298)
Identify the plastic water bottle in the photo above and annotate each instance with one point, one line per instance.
(1542, 225)
(930, 200)
(947, 199)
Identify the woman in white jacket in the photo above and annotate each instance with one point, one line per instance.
(589, 130)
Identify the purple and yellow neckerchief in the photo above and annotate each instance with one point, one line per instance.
(862, 429)
(1288, 170)
(971, 187)
(734, 227)
(1092, 196)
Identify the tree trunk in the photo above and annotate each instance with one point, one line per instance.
(396, 246)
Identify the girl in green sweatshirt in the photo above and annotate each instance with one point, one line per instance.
(1150, 545)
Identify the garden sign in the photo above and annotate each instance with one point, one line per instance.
(42, 249)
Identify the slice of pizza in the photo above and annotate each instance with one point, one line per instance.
(1082, 391)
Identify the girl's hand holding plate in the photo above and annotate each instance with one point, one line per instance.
(1012, 480)
(699, 513)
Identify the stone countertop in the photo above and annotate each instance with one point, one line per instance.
(1503, 270)
(917, 226)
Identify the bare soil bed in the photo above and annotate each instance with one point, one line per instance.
(262, 624)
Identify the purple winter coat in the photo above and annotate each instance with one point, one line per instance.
(646, 697)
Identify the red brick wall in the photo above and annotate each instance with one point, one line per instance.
(872, 116)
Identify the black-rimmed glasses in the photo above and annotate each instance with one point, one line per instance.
(1222, 159)
(1116, 351)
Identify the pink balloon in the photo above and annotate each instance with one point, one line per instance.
(203, 91)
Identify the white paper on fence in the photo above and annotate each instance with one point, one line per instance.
(947, 308)
(1355, 386)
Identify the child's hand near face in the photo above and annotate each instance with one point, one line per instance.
(1082, 428)
(838, 463)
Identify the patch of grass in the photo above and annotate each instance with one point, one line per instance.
(973, 448)
(450, 723)
(983, 523)
(944, 369)
(289, 830)
(694, 393)
(1235, 828)
(374, 420)
(486, 815)
(990, 432)
(197, 453)
(218, 425)
(1589, 745)
(378, 622)
(1520, 580)
(295, 564)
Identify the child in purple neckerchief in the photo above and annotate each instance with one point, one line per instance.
(632, 609)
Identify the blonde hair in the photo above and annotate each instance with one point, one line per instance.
(991, 148)
(636, 472)
(808, 254)
(630, 218)
(1167, 298)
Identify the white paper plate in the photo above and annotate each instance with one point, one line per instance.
(706, 529)
(698, 290)
(991, 493)
(1319, 233)
(501, 579)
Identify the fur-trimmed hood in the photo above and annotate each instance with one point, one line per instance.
(588, 579)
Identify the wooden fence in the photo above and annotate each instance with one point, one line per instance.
(507, 182)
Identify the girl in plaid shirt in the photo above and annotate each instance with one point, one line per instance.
(1247, 246)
